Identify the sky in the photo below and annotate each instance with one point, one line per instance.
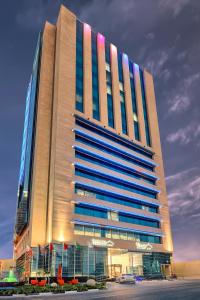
(159, 35)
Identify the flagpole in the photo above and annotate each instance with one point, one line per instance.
(74, 260)
(88, 262)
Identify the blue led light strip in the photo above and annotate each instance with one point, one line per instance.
(80, 166)
(107, 208)
(114, 135)
(97, 140)
(151, 176)
(142, 201)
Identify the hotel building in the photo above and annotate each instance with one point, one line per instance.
(92, 192)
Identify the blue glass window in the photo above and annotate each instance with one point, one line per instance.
(138, 221)
(122, 96)
(79, 66)
(144, 104)
(112, 136)
(109, 197)
(111, 122)
(82, 210)
(115, 182)
(27, 156)
(110, 233)
(97, 160)
(92, 211)
(95, 83)
(134, 103)
(104, 148)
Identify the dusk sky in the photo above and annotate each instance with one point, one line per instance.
(162, 36)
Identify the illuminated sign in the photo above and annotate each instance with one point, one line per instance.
(102, 243)
(144, 246)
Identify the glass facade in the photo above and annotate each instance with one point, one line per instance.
(134, 103)
(107, 148)
(95, 79)
(102, 132)
(79, 67)
(144, 104)
(122, 95)
(99, 160)
(112, 181)
(111, 122)
(106, 196)
(110, 233)
(92, 211)
(25, 176)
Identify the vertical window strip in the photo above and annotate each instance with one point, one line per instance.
(144, 104)
(95, 81)
(111, 122)
(79, 66)
(122, 96)
(134, 103)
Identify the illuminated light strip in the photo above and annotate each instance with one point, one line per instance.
(101, 39)
(107, 208)
(87, 27)
(77, 221)
(133, 156)
(117, 178)
(86, 151)
(114, 194)
(114, 135)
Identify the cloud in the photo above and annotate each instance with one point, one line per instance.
(175, 6)
(156, 63)
(184, 193)
(182, 96)
(179, 103)
(185, 135)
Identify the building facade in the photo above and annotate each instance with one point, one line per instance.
(92, 192)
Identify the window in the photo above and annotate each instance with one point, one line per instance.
(122, 95)
(79, 66)
(121, 86)
(99, 160)
(144, 104)
(138, 221)
(107, 67)
(113, 198)
(113, 216)
(79, 229)
(134, 103)
(115, 234)
(112, 136)
(82, 210)
(109, 88)
(103, 214)
(89, 231)
(95, 83)
(114, 182)
(104, 147)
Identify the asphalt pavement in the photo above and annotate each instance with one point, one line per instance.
(153, 290)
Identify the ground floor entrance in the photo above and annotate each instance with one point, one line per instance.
(84, 261)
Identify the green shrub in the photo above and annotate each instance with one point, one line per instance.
(82, 288)
(101, 286)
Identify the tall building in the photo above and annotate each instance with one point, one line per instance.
(92, 192)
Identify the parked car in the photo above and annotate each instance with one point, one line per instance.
(126, 278)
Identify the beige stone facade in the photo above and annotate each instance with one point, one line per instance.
(52, 193)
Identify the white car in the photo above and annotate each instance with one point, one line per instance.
(129, 278)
